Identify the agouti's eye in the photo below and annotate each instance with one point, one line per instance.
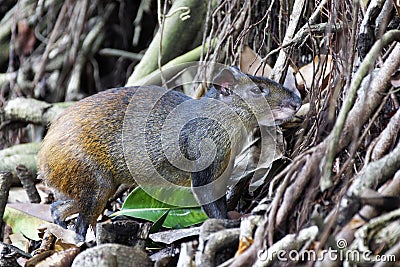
(255, 90)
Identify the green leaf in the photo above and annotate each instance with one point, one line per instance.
(22, 222)
(141, 205)
(139, 199)
(184, 217)
(159, 223)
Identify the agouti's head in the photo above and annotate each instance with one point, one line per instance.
(248, 93)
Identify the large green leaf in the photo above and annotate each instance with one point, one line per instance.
(140, 205)
(22, 222)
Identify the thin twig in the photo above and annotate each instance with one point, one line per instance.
(53, 37)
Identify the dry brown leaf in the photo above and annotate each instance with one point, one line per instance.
(65, 237)
(252, 64)
(46, 245)
(26, 37)
(57, 259)
(244, 244)
(318, 70)
(290, 83)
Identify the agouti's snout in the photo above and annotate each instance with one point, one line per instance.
(287, 108)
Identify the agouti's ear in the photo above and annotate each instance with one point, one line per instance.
(226, 80)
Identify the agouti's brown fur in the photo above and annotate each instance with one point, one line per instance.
(82, 156)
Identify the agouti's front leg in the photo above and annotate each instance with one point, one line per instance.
(215, 207)
(61, 209)
(88, 202)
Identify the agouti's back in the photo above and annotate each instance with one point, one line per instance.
(82, 155)
(86, 136)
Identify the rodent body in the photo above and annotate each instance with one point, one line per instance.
(82, 155)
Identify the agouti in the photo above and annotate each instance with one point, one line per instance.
(82, 155)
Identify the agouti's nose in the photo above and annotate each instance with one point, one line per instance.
(296, 104)
(293, 103)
